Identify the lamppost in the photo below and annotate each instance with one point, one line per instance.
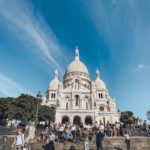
(37, 107)
(94, 109)
(119, 113)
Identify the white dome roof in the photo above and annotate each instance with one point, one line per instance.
(100, 85)
(76, 65)
(54, 83)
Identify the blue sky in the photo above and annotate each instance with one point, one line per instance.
(36, 37)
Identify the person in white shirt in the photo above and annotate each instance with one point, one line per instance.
(19, 140)
(60, 133)
(127, 139)
(73, 131)
(52, 136)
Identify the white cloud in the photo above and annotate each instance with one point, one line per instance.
(141, 67)
(9, 87)
(111, 19)
(22, 16)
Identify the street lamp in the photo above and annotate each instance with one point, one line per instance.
(37, 107)
(119, 113)
(94, 110)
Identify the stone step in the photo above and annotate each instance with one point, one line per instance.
(139, 143)
(92, 147)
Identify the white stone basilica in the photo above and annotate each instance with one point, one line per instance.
(79, 99)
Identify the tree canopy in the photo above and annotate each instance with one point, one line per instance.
(24, 108)
(127, 117)
(148, 115)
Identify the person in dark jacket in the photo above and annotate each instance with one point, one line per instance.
(99, 139)
(50, 145)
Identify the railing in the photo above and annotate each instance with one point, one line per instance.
(7, 131)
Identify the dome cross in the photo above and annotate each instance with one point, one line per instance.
(97, 74)
(56, 74)
(76, 53)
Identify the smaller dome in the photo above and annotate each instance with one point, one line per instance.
(100, 85)
(55, 82)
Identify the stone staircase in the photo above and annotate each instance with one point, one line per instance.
(110, 143)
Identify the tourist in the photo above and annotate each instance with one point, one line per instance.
(66, 134)
(72, 147)
(148, 130)
(60, 133)
(102, 127)
(127, 139)
(41, 138)
(73, 132)
(117, 127)
(19, 140)
(99, 139)
(26, 147)
(52, 136)
(86, 139)
(50, 145)
(78, 135)
(50, 141)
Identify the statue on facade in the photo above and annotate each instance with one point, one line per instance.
(108, 105)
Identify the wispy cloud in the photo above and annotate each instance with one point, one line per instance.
(141, 67)
(22, 16)
(9, 87)
(112, 18)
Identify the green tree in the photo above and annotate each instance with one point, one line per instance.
(148, 115)
(22, 108)
(127, 117)
(46, 113)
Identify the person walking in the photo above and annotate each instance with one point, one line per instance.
(127, 140)
(99, 139)
(19, 140)
(66, 134)
(50, 142)
(86, 139)
(50, 145)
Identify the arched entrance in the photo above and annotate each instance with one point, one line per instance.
(65, 119)
(77, 120)
(88, 120)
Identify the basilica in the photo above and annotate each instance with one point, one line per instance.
(79, 99)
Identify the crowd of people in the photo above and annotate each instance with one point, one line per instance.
(80, 134)
(68, 131)
(83, 133)
(75, 133)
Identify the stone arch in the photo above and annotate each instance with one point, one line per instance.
(65, 119)
(53, 106)
(88, 120)
(77, 120)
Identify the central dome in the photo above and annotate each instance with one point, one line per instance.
(76, 65)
